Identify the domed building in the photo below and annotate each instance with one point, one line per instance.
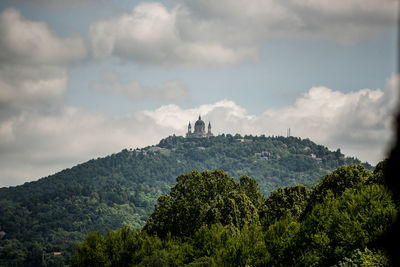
(199, 130)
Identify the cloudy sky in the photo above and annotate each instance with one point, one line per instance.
(82, 79)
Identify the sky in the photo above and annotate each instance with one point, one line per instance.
(85, 79)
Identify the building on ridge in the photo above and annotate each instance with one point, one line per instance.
(199, 130)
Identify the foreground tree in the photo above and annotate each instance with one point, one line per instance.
(339, 225)
(209, 219)
(204, 199)
(287, 201)
(344, 177)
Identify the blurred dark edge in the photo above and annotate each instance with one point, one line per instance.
(391, 239)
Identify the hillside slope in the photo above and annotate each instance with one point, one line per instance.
(55, 212)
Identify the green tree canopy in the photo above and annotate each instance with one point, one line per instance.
(291, 200)
(339, 225)
(209, 219)
(203, 199)
(342, 178)
(378, 176)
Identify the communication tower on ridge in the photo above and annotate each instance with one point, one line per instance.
(288, 132)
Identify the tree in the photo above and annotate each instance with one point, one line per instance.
(120, 248)
(92, 252)
(280, 239)
(339, 225)
(287, 201)
(251, 189)
(378, 176)
(209, 219)
(202, 199)
(338, 181)
(365, 258)
(35, 257)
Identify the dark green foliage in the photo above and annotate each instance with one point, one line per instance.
(378, 176)
(252, 191)
(203, 199)
(12, 253)
(287, 201)
(341, 179)
(93, 251)
(280, 241)
(337, 231)
(365, 258)
(334, 184)
(339, 225)
(58, 211)
(121, 248)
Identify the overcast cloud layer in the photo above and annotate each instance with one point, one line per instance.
(220, 32)
(197, 32)
(171, 90)
(41, 134)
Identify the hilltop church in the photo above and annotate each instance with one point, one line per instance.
(199, 130)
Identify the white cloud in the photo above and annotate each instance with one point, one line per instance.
(33, 66)
(197, 32)
(224, 32)
(172, 90)
(226, 114)
(342, 21)
(150, 34)
(24, 41)
(21, 85)
(353, 7)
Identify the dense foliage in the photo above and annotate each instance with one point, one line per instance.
(54, 213)
(339, 229)
(201, 199)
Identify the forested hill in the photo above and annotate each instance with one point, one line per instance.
(52, 214)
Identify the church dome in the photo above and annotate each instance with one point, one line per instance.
(199, 130)
(199, 123)
(199, 127)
